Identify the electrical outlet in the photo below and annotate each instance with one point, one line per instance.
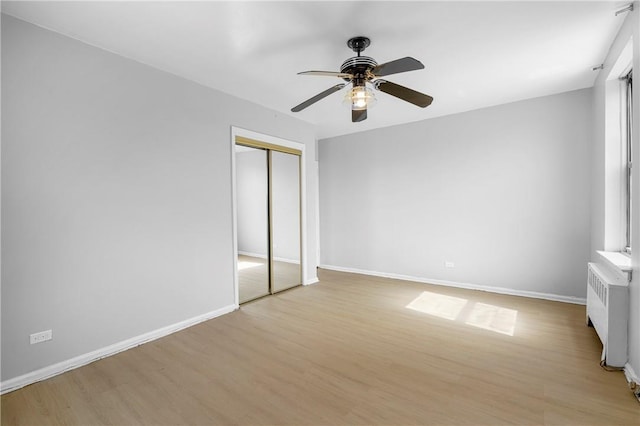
(449, 265)
(43, 336)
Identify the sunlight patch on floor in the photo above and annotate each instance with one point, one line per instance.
(439, 305)
(488, 317)
(245, 264)
(494, 318)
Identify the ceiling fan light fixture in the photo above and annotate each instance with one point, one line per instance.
(360, 71)
(360, 98)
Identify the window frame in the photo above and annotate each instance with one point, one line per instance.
(628, 157)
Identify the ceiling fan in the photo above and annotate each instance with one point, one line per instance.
(362, 70)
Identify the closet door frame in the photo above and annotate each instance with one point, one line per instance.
(270, 143)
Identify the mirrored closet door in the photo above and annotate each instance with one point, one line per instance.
(268, 218)
(285, 220)
(252, 186)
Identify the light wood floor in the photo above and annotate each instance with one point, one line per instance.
(253, 277)
(348, 351)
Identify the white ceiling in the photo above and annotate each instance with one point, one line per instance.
(476, 54)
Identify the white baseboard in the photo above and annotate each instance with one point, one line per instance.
(499, 290)
(632, 380)
(312, 280)
(264, 256)
(251, 254)
(78, 361)
(631, 375)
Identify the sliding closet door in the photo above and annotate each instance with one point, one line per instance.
(285, 220)
(252, 188)
(268, 187)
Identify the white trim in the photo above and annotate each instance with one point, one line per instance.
(318, 248)
(78, 361)
(616, 260)
(251, 254)
(631, 375)
(313, 280)
(237, 131)
(264, 256)
(234, 225)
(490, 289)
(275, 140)
(618, 263)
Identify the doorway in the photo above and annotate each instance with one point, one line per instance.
(268, 217)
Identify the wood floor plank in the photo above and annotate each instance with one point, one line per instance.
(349, 351)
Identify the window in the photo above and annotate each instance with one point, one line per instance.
(617, 154)
(628, 164)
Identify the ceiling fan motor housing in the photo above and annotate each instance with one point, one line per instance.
(358, 66)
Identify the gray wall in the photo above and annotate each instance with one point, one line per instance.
(285, 198)
(603, 180)
(502, 192)
(252, 186)
(251, 193)
(116, 196)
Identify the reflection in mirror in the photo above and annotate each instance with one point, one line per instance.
(252, 221)
(285, 222)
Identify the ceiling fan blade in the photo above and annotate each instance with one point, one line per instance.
(401, 92)
(358, 115)
(397, 66)
(326, 74)
(317, 97)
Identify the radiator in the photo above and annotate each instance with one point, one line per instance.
(608, 311)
